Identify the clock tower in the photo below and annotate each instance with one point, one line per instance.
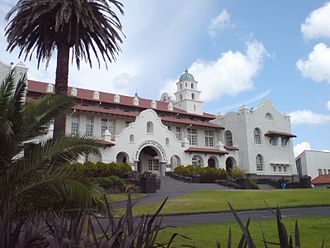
(187, 95)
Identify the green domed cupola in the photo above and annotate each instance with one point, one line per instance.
(186, 76)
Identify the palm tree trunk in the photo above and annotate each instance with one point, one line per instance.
(61, 84)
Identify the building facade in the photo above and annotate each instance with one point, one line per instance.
(158, 135)
(313, 163)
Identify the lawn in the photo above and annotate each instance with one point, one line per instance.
(122, 196)
(203, 201)
(312, 231)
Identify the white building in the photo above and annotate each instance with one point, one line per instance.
(159, 135)
(313, 163)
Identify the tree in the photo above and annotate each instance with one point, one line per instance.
(40, 26)
(35, 176)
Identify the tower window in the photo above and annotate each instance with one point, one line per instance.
(257, 136)
(192, 85)
(193, 96)
(228, 138)
(180, 97)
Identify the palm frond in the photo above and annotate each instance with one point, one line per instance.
(41, 25)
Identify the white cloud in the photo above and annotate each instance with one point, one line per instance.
(230, 74)
(316, 66)
(317, 24)
(299, 148)
(219, 23)
(308, 117)
(328, 105)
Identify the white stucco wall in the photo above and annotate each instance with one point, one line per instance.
(311, 161)
(242, 125)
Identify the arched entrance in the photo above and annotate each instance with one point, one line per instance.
(150, 156)
(212, 162)
(149, 160)
(122, 157)
(230, 164)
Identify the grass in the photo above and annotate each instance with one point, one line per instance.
(312, 231)
(122, 196)
(203, 201)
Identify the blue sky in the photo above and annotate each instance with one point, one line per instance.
(240, 52)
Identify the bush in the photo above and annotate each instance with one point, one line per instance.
(101, 169)
(237, 172)
(111, 182)
(206, 174)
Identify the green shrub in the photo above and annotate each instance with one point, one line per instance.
(206, 174)
(237, 172)
(111, 182)
(101, 169)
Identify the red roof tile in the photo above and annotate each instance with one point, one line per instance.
(322, 179)
(231, 148)
(85, 94)
(105, 143)
(190, 122)
(281, 134)
(206, 150)
(103, 110)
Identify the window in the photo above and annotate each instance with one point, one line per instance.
(274, 141)
(74, 125)
(150, 127)
(260, 163)
(280, 168)
(257, 136)
(209, 138)
(284, 169)
(283, 141)
(324, 171)
(186, 84)
(178, 133)
(131, 138)
(268, 116)
(192, 96)
(181, 86)
(329, 171)
(107, 124)
(153, 164)
(180, 97)
(228, 138)
(274, 168)
(89, 125)
(320, 172)
(167, 141)
(197, 160)
(192, 136)
(192, 85)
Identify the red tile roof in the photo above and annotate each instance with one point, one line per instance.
(103, 110)
(206, 150)
(105, 143)
(281, 134)
(85, 94)
(190, 122)
(231, 148)
(322, 179)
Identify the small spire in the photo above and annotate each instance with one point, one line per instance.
(136, 94)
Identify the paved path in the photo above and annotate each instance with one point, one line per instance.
(220, 217)
(171, 188)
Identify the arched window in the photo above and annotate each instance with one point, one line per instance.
(192, 85)
(228, 138)
(131, 138)
(167, 141)
(197, 160)
(150, 127)
(268, 116)
(257, 136)
(260, 162)
(192, 96)
(180, 97)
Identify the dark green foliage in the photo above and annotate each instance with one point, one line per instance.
(206, 174)
(111, 182)
(101, 169)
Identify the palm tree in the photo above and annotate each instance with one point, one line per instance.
(40, 26)
(35, 177)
